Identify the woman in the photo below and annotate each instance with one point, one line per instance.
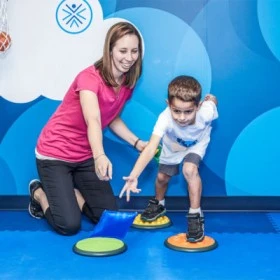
(73, 167)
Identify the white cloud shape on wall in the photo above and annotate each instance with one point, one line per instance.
(44, 59)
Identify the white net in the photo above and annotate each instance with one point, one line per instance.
(5, 39)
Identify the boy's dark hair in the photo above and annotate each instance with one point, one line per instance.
(185, 88)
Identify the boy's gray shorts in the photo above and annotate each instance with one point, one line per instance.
(172, 170)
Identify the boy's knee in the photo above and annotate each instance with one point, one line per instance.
(163, 178)
(190, 170)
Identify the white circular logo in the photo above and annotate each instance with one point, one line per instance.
(74, 16)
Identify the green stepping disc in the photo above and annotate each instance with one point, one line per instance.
(99, 246)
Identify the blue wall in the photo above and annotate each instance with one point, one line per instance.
(232, 47)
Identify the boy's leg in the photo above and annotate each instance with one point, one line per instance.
(162, 181)
(156, 207)
(193, 179)
(57, 191)
(195, 217)
(98, 195)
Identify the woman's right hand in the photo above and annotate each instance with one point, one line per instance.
(141, 145)
(103, 168)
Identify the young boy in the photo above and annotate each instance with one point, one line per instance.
(184, 128)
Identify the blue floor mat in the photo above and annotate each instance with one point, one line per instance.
(275, 220)
(248, 250)
(45, 255)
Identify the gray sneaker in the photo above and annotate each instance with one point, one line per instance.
(195, 228)
(153, 211)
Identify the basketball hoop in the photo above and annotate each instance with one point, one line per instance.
(5, 39)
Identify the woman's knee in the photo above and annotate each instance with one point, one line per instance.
(68, 229)
(65, 225)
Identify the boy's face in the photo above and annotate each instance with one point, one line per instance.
(183, 113)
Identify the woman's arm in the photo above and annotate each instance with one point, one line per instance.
(120, 128)
(91, 113)
(145, 157)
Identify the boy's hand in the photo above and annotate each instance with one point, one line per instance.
(210, 97)
(130, 186)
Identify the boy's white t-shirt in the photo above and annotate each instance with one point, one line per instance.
(179, 141)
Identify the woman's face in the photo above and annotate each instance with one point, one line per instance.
(124, 54)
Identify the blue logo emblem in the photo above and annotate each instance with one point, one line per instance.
(186, 144)
(74, 16)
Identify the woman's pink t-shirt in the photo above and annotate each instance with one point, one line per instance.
(65, 135)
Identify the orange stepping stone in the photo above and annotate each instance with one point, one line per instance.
(178, 242)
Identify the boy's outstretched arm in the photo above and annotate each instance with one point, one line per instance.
(211, 97)
(143, 160)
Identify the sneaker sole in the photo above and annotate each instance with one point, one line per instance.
(153, 219)
(29, 206)
(193, 240)
(30, 213)
(30, 183)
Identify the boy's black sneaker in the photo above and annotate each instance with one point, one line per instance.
(153, 211)
(34, 208)
(195, 228)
